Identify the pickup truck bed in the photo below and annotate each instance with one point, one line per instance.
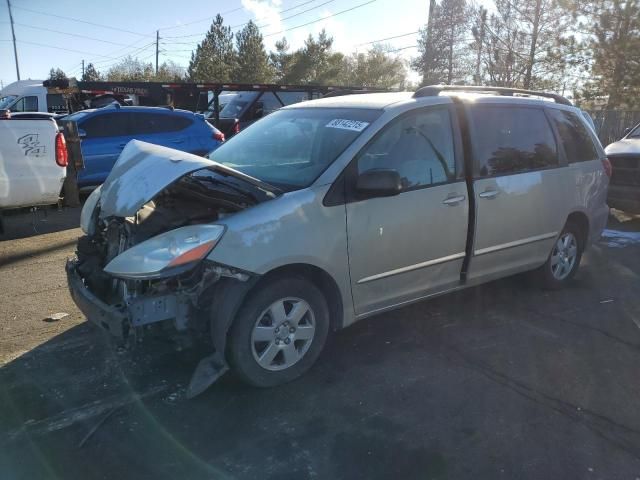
(29, 172)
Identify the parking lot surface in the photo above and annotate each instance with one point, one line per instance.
(500, 381)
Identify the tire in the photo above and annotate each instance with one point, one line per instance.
(262, 349)
(564, 259)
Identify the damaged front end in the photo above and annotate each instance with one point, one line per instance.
(141, 268)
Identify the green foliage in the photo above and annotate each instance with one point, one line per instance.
(57, 74)
(316, 63)
(252, 63)
(614, 47)
(214, 59)
(376, 68)
(170, 72)
(442, 45)
(91, 74)
(131, 69)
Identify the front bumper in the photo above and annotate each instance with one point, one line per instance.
(112, 318)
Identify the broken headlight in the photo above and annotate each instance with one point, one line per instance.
(87, 220)
(168, 254)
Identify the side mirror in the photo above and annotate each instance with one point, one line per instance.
(627, 131)
(258, 113)
(81, 133)
(379, 183)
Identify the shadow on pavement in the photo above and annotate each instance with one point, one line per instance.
(24, 223)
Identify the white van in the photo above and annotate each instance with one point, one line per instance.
(31, 96)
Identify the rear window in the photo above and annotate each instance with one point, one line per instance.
(149, 123)
(56, 103)
(576, 140)
(509, 140)
(105, 125)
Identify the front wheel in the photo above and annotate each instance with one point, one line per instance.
(279, 332)
(564, 260)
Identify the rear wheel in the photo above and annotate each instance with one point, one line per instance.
(279, 332)
(564, 260)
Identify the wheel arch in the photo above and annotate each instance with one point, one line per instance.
(581, 220)
(321, 279)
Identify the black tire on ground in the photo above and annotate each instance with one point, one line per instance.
(240, 349)
(545, 275)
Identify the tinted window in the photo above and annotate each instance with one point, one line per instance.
(235, 105)
(106, 125)
(269, 103)
(574, 136)
(26, 104)
(55, 103)
(149, 123)
(512, 139)
(289, 98)
(291, 148)
(418, 146)
(635, 133)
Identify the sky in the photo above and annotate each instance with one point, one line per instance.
(102, 35)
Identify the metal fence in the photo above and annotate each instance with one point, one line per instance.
(610, 124)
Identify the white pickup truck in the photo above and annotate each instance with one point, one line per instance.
(33, 161)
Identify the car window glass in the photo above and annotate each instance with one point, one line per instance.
(26, 104)
(575, 138)
(289, 98)
(510, 140)
(269, 104)
(106, 125)
(56, 103)
(150, 123)
(418, 146)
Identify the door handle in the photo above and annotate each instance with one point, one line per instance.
(454, 200)
(178, 141)
(122, 145)
(489, 194)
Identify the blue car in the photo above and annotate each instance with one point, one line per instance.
(105, 132)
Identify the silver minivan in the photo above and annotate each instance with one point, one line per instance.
(329, 211)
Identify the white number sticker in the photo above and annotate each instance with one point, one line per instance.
(343, 124)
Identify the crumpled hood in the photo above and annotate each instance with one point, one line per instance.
(625, 146)
(140, 173)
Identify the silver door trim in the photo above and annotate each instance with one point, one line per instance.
(515, 243)
(409, 268)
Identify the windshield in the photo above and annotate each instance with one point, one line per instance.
(233, 105)
(635, 133)
(291, 148)
(6, 101)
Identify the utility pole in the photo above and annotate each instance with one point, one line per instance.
(483, 21)
(427, 53)
(82, 68)
(157, 48)
(13, 34)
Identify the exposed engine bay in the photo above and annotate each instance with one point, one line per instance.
(200, 197)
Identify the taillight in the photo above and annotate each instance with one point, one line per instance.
(606, 164)
(236, 127)
(218, 135)
(62, 157)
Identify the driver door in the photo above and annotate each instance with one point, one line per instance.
(410, 245)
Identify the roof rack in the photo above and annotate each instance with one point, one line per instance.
(434, 91)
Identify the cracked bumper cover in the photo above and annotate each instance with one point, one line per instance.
(113, 319)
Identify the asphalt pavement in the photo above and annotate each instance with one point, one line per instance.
(500, 381)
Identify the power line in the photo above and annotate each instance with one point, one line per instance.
(264, 18)
(80, 21)
(323, 18)
(388, 38)
(61, 48)
(209, 19)
(70, 34)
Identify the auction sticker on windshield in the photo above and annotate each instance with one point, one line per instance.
(353, 125)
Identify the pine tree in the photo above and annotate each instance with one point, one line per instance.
(57, 74)
(252, 63)
(281, 60)
(376, 68)
(614, 47)
(91, 74)
(444, 53)
(215, 58)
